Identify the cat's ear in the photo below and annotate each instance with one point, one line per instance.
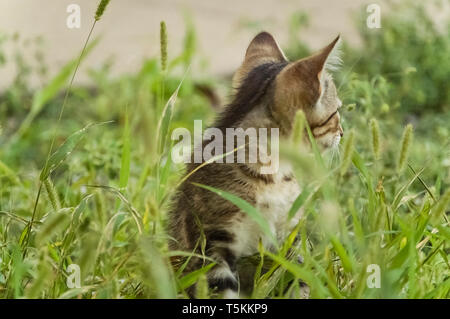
(262, 49)
(328, 58)
(305, 77)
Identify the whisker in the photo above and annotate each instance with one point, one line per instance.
(348, 73)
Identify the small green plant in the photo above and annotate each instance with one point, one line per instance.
(418, 75)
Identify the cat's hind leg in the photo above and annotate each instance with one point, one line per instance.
(223, 277)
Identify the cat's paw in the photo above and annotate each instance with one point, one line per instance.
(304, 291)
(230, 294)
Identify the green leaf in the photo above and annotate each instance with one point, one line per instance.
(163, 125)
(399, 196)
(246, 207)
(192, 277)
(53, 224)
(361, 166)
(357, 227)
(70, 234)
(9, 173)
(295, 269)
(156, 271)
(24, 235)
(125, 165)
(340, 250)
(80, 209)
(134, 213)
(58, 157)
(164, 171)
(299, 201)
(71, 293)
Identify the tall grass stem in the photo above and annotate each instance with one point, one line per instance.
(33, 216)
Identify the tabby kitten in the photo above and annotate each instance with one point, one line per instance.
(269, 92)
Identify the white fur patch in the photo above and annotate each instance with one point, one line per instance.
(330, 140)
(230, 294)
(336, 141)
(221, 272)
(273, 201)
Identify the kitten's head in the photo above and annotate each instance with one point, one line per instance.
(305, 85)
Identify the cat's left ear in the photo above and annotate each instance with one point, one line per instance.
(262, 49)
(301, 81)
(326, 59)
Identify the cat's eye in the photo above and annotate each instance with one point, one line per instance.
(328, 119)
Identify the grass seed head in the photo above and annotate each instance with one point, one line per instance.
(375, 129)
(52, 194)
(163, 44)
(404, 151)
(100, 9)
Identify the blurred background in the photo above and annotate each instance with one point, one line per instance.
(396, 109)
(130, 31)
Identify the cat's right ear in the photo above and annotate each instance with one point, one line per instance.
(262, 49)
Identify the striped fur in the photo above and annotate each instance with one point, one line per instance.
(269, 91)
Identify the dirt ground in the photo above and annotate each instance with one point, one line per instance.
(129, 29)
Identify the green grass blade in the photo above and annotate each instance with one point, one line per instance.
(314, 146)
(342, 253)
(298, 271)
(164, 123)
(58, 157)
(190, 279)
(9, 173)
(246, 207)
(398, 197)
(156, 271)
(53, 224)
(125, 162)
(299, 201)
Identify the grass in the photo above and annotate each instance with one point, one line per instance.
(107, 187)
